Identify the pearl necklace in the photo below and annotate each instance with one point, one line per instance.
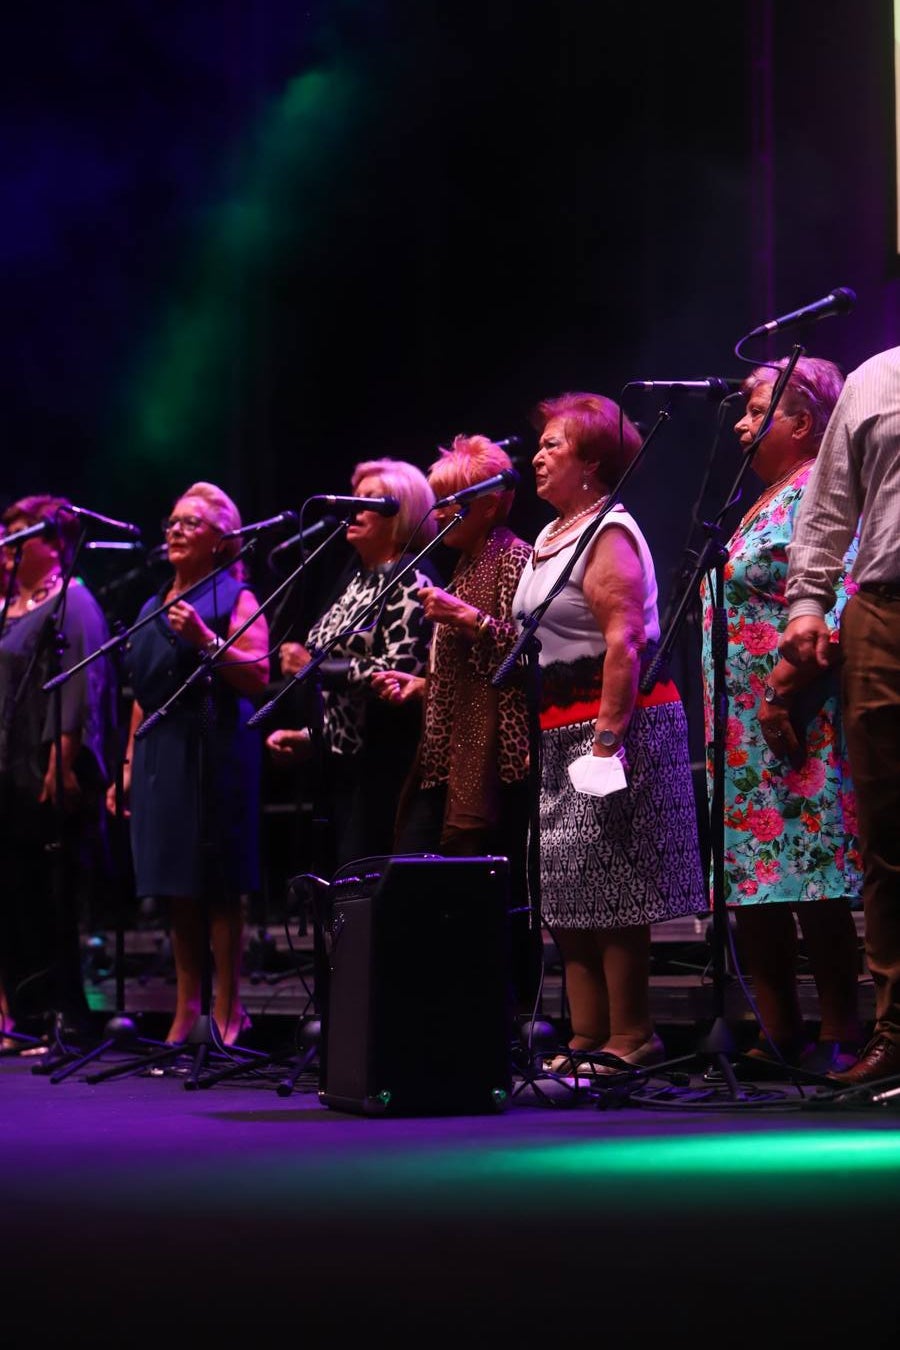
(562, 524)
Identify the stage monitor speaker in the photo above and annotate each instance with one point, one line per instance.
(418, 1014)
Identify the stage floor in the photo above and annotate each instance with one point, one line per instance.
(138, 1212)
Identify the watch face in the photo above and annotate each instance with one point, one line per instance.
(607, 739)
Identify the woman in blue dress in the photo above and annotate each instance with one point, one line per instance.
(194, 778)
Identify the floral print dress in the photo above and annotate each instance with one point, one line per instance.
(789, 833)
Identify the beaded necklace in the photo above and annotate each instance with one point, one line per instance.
(40, 593)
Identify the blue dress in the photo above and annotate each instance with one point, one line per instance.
(168, 790)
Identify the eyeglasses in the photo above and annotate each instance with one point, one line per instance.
(188, 524)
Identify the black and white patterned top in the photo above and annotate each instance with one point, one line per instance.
(399, 641)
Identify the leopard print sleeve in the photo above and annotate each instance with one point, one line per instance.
(496, 639)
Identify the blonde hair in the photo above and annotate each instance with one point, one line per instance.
(224, 515)
(469, 460)
(414, 526)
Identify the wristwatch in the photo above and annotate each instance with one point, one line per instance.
(772, 695)
(608, 739)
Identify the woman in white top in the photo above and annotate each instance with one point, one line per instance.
(611, 865)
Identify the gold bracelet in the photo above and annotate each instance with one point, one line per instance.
(482, 622)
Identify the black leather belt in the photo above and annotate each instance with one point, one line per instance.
(888, 590)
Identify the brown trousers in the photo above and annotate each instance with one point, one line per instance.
(870, 688)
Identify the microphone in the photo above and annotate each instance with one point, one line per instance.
(712, 387)
(501, 482)
(43, 527)
(509, 442)
(125, 545)
(284, 518)
(839, 301)
(382, 506)
(305, 536)
(85, 514)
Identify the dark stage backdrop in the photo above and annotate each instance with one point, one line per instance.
(257, 241)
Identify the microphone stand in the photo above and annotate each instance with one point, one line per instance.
(65, 957)
(120, 1031)
(716, 1050)
(262, 714)
(21, 1041)
(203, 1039)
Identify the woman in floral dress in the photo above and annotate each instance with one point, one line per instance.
(791, 855)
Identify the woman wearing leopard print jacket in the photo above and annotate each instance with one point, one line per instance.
(468, 792)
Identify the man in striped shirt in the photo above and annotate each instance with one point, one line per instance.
(856, 478)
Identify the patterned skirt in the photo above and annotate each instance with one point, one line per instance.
(632, 857)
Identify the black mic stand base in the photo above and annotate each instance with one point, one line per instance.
(300, 1062)
(722, 1084)
(120, 1033)
(58, 1052)
(203, 1042)
(20, 1042)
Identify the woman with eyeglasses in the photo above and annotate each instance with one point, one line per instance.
(194, 778)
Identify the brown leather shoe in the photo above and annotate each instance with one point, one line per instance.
(880, 1059)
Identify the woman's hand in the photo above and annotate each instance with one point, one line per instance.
(71, 788)
(287, 744)
(441, 607)
(396, 686)
(293, 657)
(186, 622)
(779, 734)
(126, 789)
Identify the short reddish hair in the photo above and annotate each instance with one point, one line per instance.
(599, 432)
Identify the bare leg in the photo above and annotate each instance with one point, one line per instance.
(626, 966)
(829, 935)
(585, 986)
(767, 937)
(7, 1023)
(227, 935)
(188, 938)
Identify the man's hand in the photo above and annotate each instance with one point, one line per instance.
(807, 641)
